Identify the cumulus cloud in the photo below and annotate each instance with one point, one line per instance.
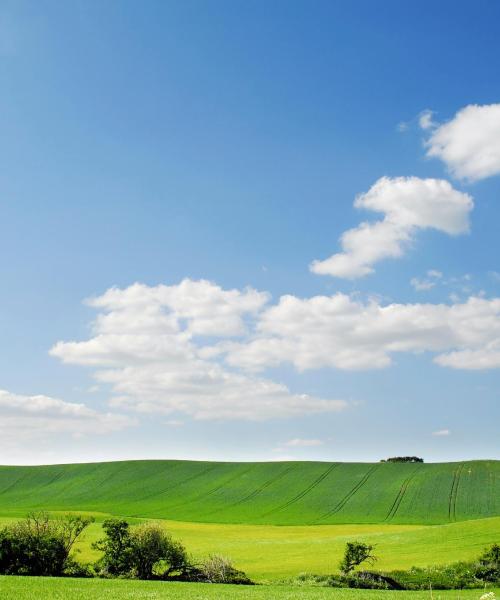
(469, 144)
(342, 332)
(157, 348)
(38, 415)
(408, 205)
(155, 361)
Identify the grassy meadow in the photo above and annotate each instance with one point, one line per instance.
(273, 553)
(33, 588)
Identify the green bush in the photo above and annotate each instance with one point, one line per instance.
(40, 545)
(155, 553)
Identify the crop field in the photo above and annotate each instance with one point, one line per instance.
(300, 514)
(29, 588)
(286, 493)
(318, 549)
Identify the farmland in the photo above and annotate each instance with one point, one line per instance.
(282, 493)
(300, 514)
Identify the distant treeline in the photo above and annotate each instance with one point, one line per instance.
(403, 459)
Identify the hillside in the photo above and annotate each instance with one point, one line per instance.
(291, 493)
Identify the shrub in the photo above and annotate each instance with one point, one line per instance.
(145, 551)
(219, 569)
(40, 545)
(155, 553)
(489, 564)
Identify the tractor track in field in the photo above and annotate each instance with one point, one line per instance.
(255, 492)
(72, 482)
(178, 484)
(265, 485)
(304, 492)
(340, 505)
(452, 500)
(13, 484)
(399, 498)
(213, 490)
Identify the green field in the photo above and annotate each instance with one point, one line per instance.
(272, 553)
(286, 493)
(29, 588)
(275, 520)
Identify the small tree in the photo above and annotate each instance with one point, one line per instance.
(146, 551)
(355, 554)
(116, 547)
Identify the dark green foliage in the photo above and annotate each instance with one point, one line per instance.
(355, 554)
(403, 459)
(155, 553)
(459, 575)
(40, 545)
(489, 564)
(145, 551)
(116, 547)
(368, 580)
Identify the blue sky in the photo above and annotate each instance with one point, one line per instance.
(227, 141)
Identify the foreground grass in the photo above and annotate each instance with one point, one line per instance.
(41, 588)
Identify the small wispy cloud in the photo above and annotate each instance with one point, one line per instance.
(425, 284)
(303, 443)
(425, 120)
(441, 433)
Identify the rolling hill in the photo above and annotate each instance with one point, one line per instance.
(281, 493)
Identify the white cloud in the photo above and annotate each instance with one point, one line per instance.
(155, 346)
(425, 119)
(155, 363)
(441, 433)
(408, 205)
(341, 332)
(39, 415)
(423, 285)
(434, 274)
(303, 443)
(469, 144)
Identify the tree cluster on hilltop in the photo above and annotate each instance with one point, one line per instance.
(403, 459)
